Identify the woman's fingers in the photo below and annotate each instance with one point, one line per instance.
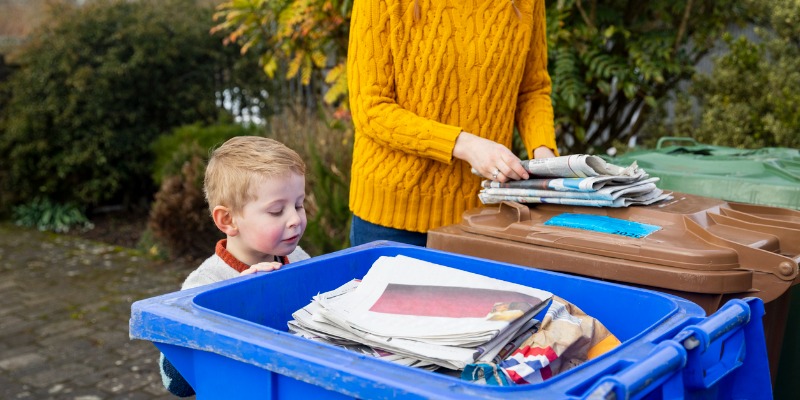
(513, 170)
(508, 167)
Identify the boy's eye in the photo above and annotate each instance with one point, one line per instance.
(299, 207)
(275, 213)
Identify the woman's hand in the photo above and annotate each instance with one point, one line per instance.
(262, 267)
(492, 160)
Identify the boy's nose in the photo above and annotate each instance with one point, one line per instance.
(294, 217)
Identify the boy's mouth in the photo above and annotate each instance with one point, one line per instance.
(292, 239)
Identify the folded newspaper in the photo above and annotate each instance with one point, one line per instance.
(580, 179)
(423, 314)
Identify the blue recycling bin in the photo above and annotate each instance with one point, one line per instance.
(230, 339)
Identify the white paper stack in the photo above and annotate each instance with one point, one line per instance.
(421, 314)
(582, 180)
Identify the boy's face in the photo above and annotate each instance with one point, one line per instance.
(274, 222)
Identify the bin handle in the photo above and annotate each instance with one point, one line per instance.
(684, 351)
(667, 357)
(752, 258)
(516, 211)
(675, 139)
(722, 325)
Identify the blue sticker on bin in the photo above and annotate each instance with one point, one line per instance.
(599, 223)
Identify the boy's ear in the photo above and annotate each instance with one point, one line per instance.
(223, 219)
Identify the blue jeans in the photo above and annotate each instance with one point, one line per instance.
(364, 232)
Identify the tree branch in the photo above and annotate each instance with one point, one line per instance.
(684, 24)
(589, 21)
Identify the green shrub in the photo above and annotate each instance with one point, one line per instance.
(95, 87)
(173, 150)
(179, 216)
(45, 215)
(612, 62)
(751, 99)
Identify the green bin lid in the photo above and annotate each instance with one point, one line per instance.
(768, 176)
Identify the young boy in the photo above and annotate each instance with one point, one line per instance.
(255, 188)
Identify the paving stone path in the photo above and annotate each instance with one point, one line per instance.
(64, 311)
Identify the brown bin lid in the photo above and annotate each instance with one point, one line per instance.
(703, 245)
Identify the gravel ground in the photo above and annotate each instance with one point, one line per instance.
(64, 310)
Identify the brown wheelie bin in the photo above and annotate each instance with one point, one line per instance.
(705, 250)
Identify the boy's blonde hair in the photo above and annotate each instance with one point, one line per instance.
(242, 161)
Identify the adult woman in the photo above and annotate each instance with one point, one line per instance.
(436, 87)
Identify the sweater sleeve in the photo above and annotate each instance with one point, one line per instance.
(371, 81)
(534, 106)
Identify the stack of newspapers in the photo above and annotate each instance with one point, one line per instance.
(581, 180)
(422, 314)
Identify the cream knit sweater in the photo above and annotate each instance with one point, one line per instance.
(223, 266)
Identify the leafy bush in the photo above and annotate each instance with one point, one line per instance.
(45, 215)
(94, 88)
(751, 99)
(173, 150)
(613, 62)
(179, 216)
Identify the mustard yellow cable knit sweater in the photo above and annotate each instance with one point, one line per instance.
(471, 65)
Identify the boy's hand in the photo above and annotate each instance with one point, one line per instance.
(262, 267)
